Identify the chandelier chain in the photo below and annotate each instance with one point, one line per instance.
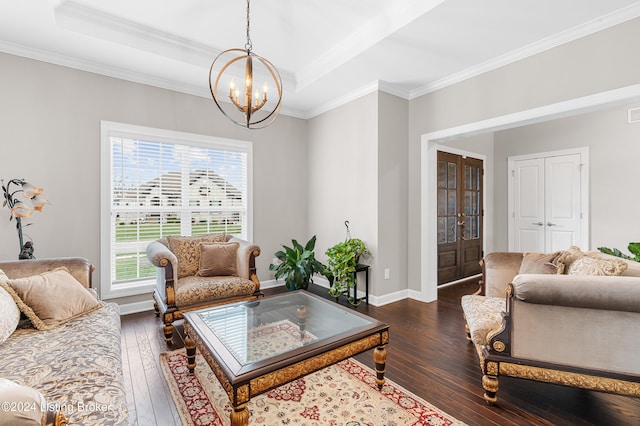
(248, 46)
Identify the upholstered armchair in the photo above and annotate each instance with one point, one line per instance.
(200, 272)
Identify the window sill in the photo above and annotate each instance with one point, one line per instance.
(128, 289)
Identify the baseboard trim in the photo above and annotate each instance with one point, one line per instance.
(135, 307)
(147, 305)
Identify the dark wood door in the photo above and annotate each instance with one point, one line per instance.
(460, 216)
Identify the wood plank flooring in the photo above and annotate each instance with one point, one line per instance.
(428, 355)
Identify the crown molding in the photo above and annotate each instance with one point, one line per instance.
(599, 24)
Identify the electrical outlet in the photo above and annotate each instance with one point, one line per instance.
(386, 274)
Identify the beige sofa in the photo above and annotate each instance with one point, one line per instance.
(180, 285)
(575, 330)
(76, 365)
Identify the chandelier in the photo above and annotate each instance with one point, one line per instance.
(245, 105)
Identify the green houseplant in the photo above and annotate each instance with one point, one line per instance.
(634, 248)
(341, 264)
(297, 265)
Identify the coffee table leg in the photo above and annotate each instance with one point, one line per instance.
(240, 415)
(191, 353)
(380, 360)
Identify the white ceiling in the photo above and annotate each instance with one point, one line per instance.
(327, 51)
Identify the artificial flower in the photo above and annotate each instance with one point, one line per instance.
(39, 202)
(21, 211)
(31, 191)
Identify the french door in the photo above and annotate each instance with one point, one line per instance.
(460, 216)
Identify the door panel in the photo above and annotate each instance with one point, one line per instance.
(460, 221)
(562, 199)
(529, 201)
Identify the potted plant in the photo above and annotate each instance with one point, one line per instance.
(297, 264)
(342, 262)
(634, 248)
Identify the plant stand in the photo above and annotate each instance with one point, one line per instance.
(359, 268)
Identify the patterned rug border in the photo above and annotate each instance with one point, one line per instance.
(398, 396)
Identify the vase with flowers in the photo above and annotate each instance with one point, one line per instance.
(13, 191)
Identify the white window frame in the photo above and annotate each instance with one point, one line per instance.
(108, 129)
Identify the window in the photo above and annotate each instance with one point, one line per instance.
(152, 184)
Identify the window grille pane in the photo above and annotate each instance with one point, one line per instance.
(161, 188)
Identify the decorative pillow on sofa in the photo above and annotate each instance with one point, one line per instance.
(539, 263)
(588, 265)
(187, 250)
(567, 257)
(218, 259)
(633, 267)
(51, 298)
(9, 312)
(24, 404)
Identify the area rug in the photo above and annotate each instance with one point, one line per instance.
(341, 394)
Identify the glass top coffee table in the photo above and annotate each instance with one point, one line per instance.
(255, 346)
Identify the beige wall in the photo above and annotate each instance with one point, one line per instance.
(50, 135)
(392, 196)
(593, 64)
(343, 177)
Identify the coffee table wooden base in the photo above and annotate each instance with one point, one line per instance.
(240, 393)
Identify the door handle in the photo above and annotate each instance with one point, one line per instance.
(551, 224)
(538, 223)
(461, 223)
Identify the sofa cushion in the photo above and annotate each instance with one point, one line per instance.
(483, 314)
(23, 404)
(218, 259)
(187, 251)
(588, 265)
(51, 298)
(194, 290)
(9, 312)
(539, 263)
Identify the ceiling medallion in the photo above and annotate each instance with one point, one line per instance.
(236, 88)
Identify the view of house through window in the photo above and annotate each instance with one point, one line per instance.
(160, 186)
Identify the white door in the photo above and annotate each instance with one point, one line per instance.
(548, 202)
(562, 224)
(529, 211)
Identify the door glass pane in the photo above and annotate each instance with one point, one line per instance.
(451, 229)
(468, 228)
(477, 179)
(452, 202)
(453, 171)
(442, 202)
(476, 228)
(442, 236)
(467, 202)
(442, 174)
(468, 178)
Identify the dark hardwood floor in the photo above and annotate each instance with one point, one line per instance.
(428, 355)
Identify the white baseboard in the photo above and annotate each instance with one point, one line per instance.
(147, 305)
(135, 307)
